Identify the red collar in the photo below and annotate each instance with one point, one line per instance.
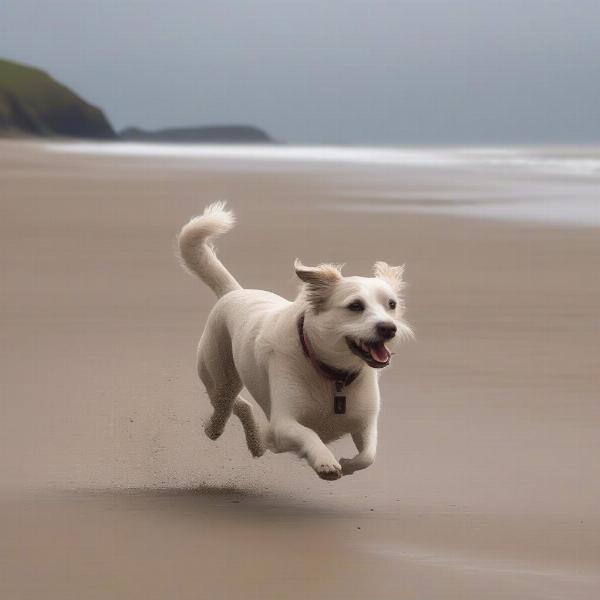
(340, 377)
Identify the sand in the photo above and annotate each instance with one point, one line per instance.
(486, 483)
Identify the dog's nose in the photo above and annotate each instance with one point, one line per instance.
(386, 330)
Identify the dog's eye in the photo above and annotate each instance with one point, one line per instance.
(356, 306)
(392, 304)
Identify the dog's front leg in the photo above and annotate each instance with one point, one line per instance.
(366, 444)
(288, 435)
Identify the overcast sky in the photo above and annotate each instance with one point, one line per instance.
(326, 71)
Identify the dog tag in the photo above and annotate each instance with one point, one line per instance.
(339, 405)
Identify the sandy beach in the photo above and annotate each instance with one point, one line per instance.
(486, 484)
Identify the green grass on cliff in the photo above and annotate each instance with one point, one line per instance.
(33, 87)
(32, 100)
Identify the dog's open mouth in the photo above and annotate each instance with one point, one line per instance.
(375, 354)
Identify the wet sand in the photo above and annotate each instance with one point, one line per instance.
(486, 483)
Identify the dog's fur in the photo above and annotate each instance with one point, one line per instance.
(251, 339)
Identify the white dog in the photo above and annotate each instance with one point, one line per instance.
(311, 364)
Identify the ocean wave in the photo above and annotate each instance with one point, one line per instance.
(560, 162)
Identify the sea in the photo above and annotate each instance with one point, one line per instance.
(543, 185)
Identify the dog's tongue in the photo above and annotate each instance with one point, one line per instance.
(379, 352)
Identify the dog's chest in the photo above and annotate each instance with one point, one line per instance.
(335, 412)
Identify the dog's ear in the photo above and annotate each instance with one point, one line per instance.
(393, 275)
(319, 281)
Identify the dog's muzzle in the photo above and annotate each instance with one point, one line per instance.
(374, 353)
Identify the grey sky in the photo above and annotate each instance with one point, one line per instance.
(327, 71)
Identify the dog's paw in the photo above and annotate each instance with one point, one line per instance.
(328, 471)
(347, 465)
(212, 431)
(257, 448)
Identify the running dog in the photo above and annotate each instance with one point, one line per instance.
(312, 365)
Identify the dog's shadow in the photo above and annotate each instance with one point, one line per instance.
(224, 500)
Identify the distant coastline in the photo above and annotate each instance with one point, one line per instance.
(225, 134)
(33, 104)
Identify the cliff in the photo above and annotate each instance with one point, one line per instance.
(34, 104)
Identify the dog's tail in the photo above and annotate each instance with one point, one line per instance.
(197, 253)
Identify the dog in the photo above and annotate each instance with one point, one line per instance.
(312, 365)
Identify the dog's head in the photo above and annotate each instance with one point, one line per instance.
(354, 320)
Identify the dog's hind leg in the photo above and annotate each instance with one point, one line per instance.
(225, 400)
(243, 410)
(217, 371)
(222, 399)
